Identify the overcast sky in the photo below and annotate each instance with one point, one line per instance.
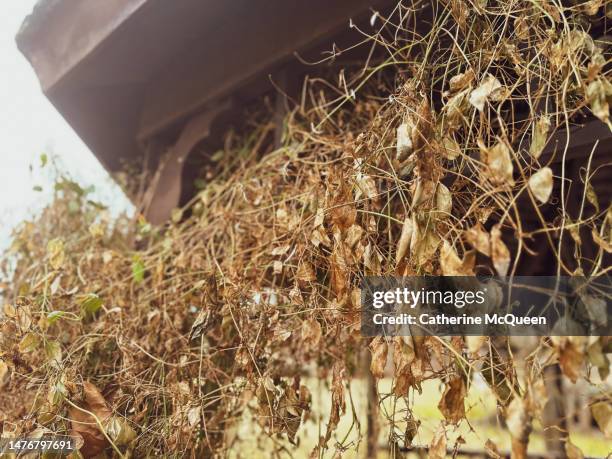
(29, 126)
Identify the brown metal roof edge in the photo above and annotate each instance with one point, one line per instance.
(54, 44)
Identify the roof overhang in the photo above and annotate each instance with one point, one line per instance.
(122, 71)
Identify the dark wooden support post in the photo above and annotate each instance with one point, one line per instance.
(372, 408)
(164, 192)
(554, 412)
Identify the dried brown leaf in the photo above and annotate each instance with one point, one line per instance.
(572, 451)
(55, 252)
(85, 425)
(405, 238)
(602, 412)
(599, 95)
(479, 239)
(541, 184)
(498, 162)
(450, 148)
(379, 349)
(311, 333)
(437, 447)
(571, 356)
(452, 265)
(5, 374)
(499, 252)
(487, 90)
(452, 404)
(461, 80)
(539, 136)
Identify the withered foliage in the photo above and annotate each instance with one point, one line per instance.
(449, 153)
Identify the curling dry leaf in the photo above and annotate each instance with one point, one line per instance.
(449, 260)
(305, 272)
(601, 242)
(424, 243)
(450, 148)
(29, 342)
(461, 80)
(353, 236)
(55, 252)
(598, 358)
(599, 97)
(344, 212)
(603, 237)
(541, 184)
(339, 271)
(85, 425)
(5, 374)
(412, 428)
(498, 161)
(487, 90)
(452, 404)
(499, 252)
(602, 412)
(366, 185)
(539, 136)
(53, 352)
(403, 358)
(311, 333)
(571, 356)
(572, 451)
(120, 431)
(591, 195)
(379, 349)
(338, 405)
(492, 450)
(422, 191)
(404, 139)
(193, 415)
(456, 109)
(319, 237)
(452, 265)
(405, 238)
(444, 201)
(479, 239)
(437, 447)
(591, 7)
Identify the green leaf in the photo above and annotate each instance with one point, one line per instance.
(177, 215)
(144, 227)
(57, 393)
(43, 159)
(37, 188)
(97, 205)
(91, 303)
(69, 185)
(28, 343)
(138, 269)
(54, 316)
(217, 156)
(73, 206)
(120, 431)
